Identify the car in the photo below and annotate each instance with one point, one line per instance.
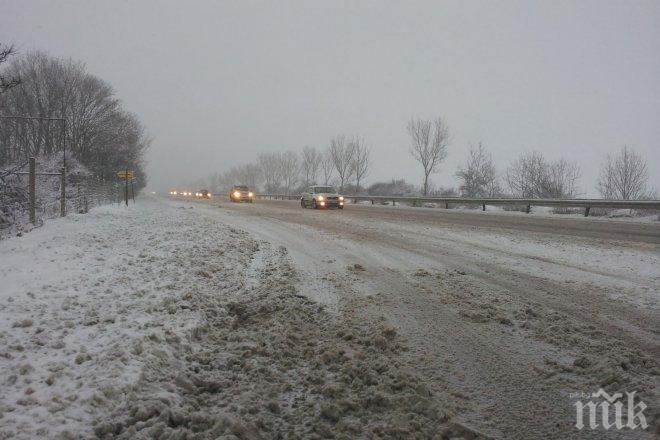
(319, 197)
(241, 193)
(203, 193)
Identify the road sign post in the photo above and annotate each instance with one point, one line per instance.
(126, 175)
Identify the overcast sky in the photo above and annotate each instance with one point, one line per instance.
(217, 82)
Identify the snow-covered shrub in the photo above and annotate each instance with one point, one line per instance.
(83, 191)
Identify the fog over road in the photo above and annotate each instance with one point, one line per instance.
(504, 314)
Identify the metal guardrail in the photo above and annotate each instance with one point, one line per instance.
(587, 204)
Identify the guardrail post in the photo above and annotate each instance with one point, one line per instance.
(586, 211)
(372, 201)
(62, 192)
(393, 202)
(529, 209)
(32, 187)
(483, 206)
(446, 205)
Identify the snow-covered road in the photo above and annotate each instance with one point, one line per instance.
(208, 318)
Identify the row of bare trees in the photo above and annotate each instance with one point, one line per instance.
(345, 161)
(100, 134)
(623, 176)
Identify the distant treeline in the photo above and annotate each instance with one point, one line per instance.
(346, 163)
(100, 134)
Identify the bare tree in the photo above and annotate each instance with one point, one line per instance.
(342, 152)
(99, 133)
(7, 83)
(430, 139)
(247, 174)
(361, 160)
(532, 176)
(624, 176)
(311, 161)
(269, 164)
(289, 170)
(562, 179)
(327, 166)
(479, 177)
(526, 174)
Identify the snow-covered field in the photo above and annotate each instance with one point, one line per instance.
(178, 319)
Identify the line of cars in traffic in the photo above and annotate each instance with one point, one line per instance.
(316, 197)
(203, 193)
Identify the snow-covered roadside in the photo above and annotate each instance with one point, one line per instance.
(141, 322)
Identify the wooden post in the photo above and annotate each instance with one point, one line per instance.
(132, 191)
(62, 192)
(393, 202)
(32, 189)
(78, 199)
(372, 201)
(446, 205)
(586, 211)
(529, 209)
(126, 187)
(483, 207)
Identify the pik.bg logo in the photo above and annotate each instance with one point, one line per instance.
(607, 411)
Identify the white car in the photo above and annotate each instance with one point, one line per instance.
(319, 197)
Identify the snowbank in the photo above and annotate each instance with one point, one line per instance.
(153, 321)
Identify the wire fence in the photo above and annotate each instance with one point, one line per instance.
(30, 196)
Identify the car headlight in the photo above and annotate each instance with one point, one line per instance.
(322, 203)
(341, 198)
(250, 194)
(320, 198)
(209, 194)
(237, 194)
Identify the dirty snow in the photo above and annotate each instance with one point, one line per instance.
(154, 321)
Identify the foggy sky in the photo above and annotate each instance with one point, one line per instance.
(218, 82)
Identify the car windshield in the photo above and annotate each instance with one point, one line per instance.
(241, 188)
(324, 189)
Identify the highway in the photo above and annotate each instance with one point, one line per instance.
(505, 314)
